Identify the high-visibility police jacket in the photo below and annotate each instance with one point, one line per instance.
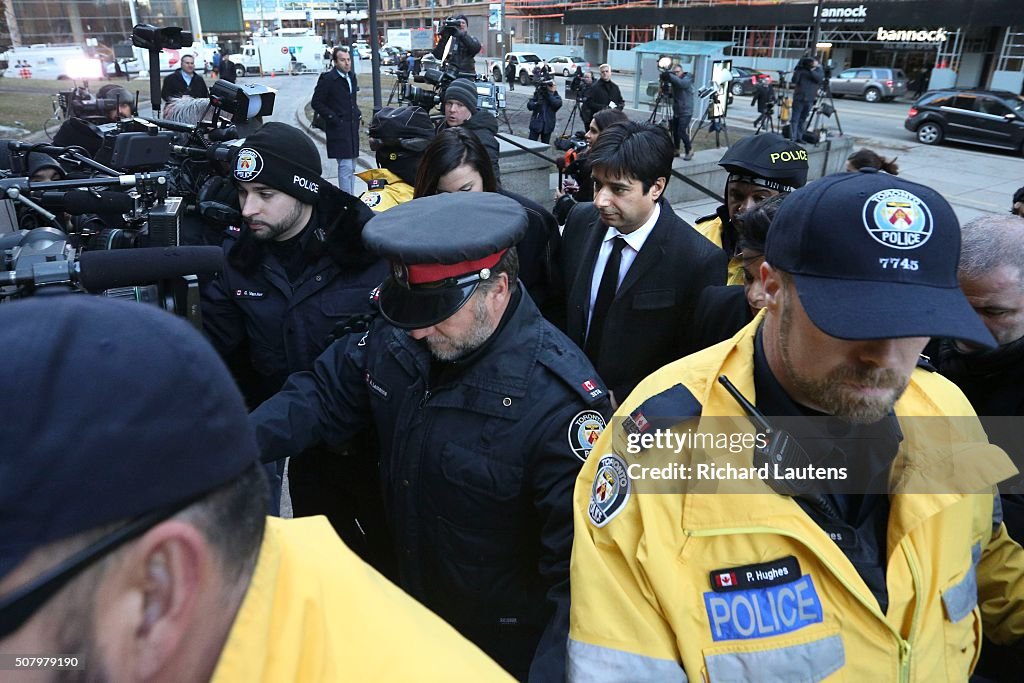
(711, 227)
(384, 189)
(315, 612)
(747, 587)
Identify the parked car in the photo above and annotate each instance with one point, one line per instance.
(744, 79)
(567, 65)
(525, 63)
(874, 84)
(993, 118)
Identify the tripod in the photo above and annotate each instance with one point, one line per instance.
(824, 107)
(715, 123)
(661, 104)
(765, 123)
(572, 116)
(397, 91)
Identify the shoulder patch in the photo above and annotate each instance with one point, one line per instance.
(925, 363)
(233, 231)
(610, 491)
(584, 430)
(371, 199)
(662, 411)
(377, 184)
(709, 217)
(570, 368)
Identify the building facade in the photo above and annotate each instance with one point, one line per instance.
(968, 43)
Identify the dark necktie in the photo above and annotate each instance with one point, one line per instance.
(603, 302)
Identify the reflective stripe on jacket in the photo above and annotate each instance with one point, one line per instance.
(315, 612)
(660, 591)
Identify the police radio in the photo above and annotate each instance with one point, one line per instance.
(780, 452)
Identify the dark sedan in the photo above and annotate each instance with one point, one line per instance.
(993, 118)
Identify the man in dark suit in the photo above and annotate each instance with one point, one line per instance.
(335, 100)
(633, 269)
(184, 81)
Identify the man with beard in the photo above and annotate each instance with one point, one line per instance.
(485, 413)
(991, 275)
(166, 567)
(294, 273)
(883, 553)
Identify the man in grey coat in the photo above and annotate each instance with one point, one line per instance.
(682, 107)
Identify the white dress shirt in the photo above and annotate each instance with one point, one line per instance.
(634, 242)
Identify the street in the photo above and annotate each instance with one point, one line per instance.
(973, 179)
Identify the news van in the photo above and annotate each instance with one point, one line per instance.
(52, 62)
(273, 54)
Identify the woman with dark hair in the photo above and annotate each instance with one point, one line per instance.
(456, 161)
(866, 158)
(723, 310)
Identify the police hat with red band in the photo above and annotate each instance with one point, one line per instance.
(440, 248)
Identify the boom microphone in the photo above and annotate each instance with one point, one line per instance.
(77, 202)
(100, 270)
(170, 125)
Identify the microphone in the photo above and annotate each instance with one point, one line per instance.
(170, 125)
(77, 202)
(215, 153)
(100, 270)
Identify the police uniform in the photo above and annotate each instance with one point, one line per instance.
(746, 584)
(309, 609)
(478, 455)
(384, 189)
(768, 160)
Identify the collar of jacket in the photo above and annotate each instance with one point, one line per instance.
(507, 365)
(944, 449)
(1007, 360)
(338, 234)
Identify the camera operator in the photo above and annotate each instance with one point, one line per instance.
(544, 104)
(460, 110)
(604, 93)
(763, 98)
(464, 46)
(682, 107)
(807, 78)
(119, 103)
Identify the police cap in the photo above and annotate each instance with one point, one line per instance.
(123, 410)
(440, 248)
(769, 160)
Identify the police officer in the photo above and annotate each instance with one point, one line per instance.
(759, 167)
(167, 566)
(799, 580)
(294, 271)
(397, 137)
(485, 413)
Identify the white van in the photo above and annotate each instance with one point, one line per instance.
(52, 62)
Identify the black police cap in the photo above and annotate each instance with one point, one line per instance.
(111, 410)
(440, 249)
(768, 156)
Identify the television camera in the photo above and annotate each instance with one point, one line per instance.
(489, 96)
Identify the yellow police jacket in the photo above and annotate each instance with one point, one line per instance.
(385, 189)
(711, 227)
(315, 612)
(747, 587)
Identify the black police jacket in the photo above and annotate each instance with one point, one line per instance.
(286, 325)
(477, 471)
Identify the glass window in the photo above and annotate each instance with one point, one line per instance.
(993, 106)
(965, 102)
(849, 73)
(864, 73)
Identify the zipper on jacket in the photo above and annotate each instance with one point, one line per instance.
(904, 645)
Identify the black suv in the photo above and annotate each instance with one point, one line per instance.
(994, 118)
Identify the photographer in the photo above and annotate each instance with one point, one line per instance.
(807, 78)
(464, 46)
(544, 103)
(682, 107)
(764, 98)
(579, 187)
(118, 102)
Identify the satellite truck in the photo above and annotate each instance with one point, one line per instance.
(266, 54)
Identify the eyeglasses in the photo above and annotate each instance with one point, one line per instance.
(19, 605)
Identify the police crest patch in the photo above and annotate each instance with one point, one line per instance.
(898, 219)
(610, 491)
(584, 430)
(248, 164)
(371, 199)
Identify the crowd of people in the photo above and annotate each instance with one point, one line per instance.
(467, 388)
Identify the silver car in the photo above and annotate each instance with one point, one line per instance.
(874, 84)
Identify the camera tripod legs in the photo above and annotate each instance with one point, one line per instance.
(765, 123)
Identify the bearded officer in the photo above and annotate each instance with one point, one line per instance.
(485, 413)
(774, 579)
(759, 166)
